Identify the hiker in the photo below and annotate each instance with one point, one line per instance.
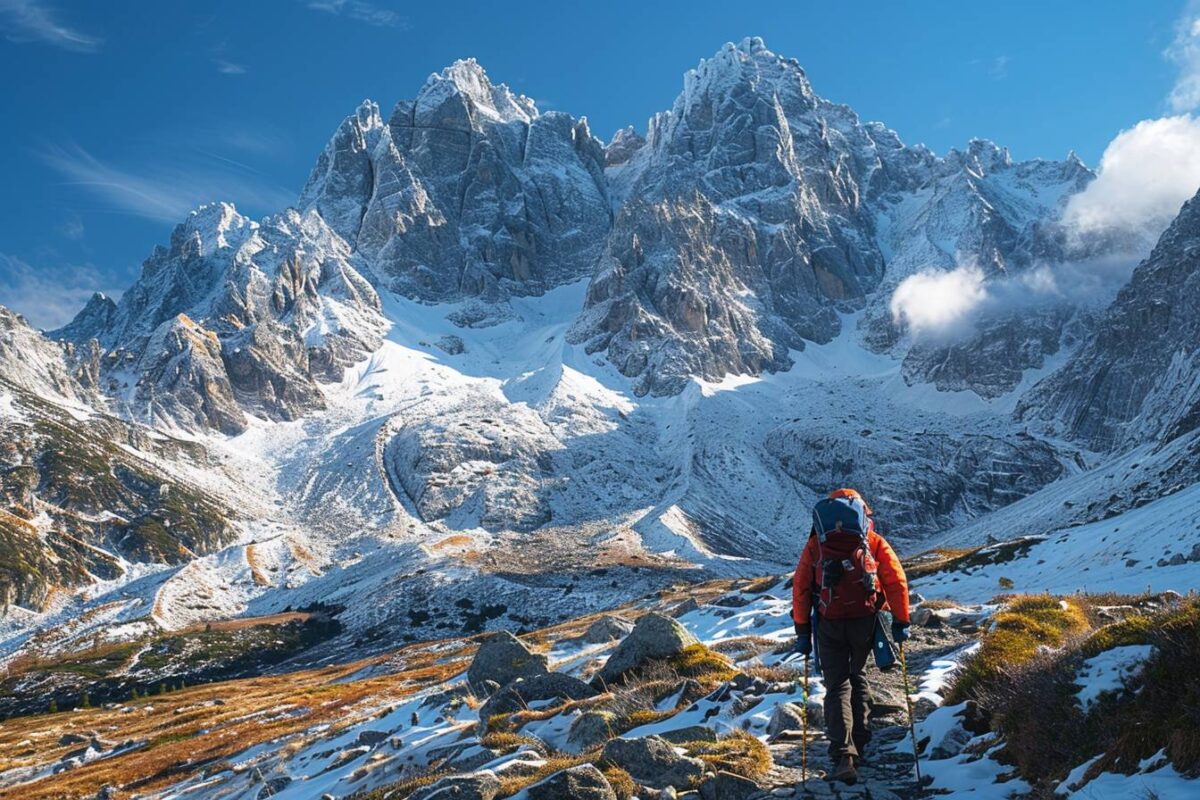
(847, 574)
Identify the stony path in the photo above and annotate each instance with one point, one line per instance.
(886, 775)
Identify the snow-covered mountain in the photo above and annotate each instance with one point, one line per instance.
(489, 363)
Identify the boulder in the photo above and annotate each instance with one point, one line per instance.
(503, 658)
(607, 628)
(591, 729)
(727, 786)
(686, 607)
(477, 786)
(785, 717)
(523, 691)
(692, 733)
(583, 782)
(655, 636)
(652, 760)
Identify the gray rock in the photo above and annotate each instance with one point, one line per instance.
(520, 693)
(653, 761)
(607, 628)
(921, 616)
(727, 786)
(686, 607)
(785, 717)
(691, 733)
(476, 786)
(591, 729)
(503, 658)
(371, 738)
(583, 782)
(653, 637)
(451, 344)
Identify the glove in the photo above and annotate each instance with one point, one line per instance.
(900, 632)
(803, 644)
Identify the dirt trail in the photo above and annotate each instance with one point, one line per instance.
(886, 775)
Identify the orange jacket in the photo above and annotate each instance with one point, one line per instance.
(891, 577)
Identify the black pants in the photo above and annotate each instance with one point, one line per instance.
(844, 646)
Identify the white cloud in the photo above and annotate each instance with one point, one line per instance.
(935, 300)
(167, 191)
(1185, 53)
(1145, 175)
(360, 11)
(49, 297)
(34, 21)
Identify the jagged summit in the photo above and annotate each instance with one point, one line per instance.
(466, 79)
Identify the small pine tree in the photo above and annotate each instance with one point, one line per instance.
(133, 695)
(182, 685)
(162, 688)
(53, 706)
(85, 701)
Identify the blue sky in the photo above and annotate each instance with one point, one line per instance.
(119, 117)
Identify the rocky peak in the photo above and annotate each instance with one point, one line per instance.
(465, 83)
(623, 145)
(91, 322)
(343, 179)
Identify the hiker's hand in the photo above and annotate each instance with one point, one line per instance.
(900, 632)
(803, 644)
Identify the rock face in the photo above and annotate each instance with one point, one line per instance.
(759, 210)
(918, 482)
(652, 761)
(235, 318)
(653, 637)
(466, 191)
(1136, 378)
(583, 782)
(504, 658)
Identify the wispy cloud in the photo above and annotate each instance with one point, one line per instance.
(998, 69)
(228, 67)
(168, 190)
(50, 296)
(1185, 53)
(34, 21)
(360, 11)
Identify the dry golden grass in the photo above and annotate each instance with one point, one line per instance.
(737, 752)
(186, 731)
(1026, 625)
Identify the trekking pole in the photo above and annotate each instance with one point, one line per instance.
(804, 740)
(912, 728)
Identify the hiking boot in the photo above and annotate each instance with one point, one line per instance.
(845, 771)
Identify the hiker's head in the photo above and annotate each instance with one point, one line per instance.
(850, 494)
